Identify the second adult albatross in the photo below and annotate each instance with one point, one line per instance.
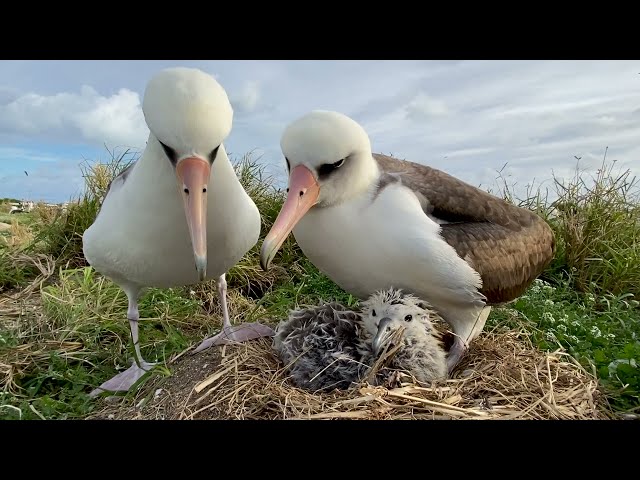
(179, 213)
(370, 221)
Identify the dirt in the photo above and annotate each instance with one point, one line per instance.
(161, 397)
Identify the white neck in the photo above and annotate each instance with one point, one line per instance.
(154, 180)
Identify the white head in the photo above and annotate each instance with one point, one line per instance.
(189, 116)
(384, 312)
(329, 161)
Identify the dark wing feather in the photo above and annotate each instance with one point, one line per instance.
(119, 179)
(508, 246)
(117, 182)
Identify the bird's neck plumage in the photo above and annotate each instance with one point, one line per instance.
(370, 173)
(154, 180)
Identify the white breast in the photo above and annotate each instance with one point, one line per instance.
(366, 245)
(141, 235)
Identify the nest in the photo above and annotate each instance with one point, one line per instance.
(501, 377)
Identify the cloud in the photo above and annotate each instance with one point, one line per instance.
(247, 100)
(423, 107)
(71, 117)
(468, 118)
(8, 94)
(15, 154)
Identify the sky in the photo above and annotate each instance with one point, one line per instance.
(468, 118)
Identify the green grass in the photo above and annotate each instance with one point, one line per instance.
(599, 332)
(25, 218)
(71, 334)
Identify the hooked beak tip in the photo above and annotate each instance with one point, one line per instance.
(383, 336)
(265, 257)
(201, 266)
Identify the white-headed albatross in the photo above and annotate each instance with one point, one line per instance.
(371, 222)
(179, 214)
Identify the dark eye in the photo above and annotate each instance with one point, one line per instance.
(408, 318)
(170, 152)
(373, 312)
(214, 152)
(327, 168)
(288, 164)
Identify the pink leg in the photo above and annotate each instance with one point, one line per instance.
(238, 333)
(123, 381)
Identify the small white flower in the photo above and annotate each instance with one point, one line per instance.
(548, 316)
(610, 336)
(550, 336)
(548, 289)
(548, 301)
(562, 328)
(192, 292)
(595, 331)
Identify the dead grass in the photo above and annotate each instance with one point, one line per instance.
(503, 377)
(18, 305)
(19, 235)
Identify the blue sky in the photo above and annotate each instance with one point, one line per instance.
(468, 118)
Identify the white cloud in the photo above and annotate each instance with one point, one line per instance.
(468, 118)
(423, 107)
(22, 154)
(88, 116)
(247, 99)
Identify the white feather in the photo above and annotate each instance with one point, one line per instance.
(140, 237)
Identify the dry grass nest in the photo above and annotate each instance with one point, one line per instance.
(502, 377)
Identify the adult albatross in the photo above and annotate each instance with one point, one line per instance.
(371, 222)
(179, 213)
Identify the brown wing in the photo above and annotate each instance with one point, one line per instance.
(508, 246)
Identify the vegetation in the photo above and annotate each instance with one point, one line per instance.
(63, 327)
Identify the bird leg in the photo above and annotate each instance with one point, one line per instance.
(460, 346)
(238, 333)
(456, 352)
(124, 380)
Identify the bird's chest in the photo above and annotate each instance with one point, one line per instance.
(350, 247)
(148, 243)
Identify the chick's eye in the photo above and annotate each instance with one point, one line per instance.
(408, 318)
(373, 312)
